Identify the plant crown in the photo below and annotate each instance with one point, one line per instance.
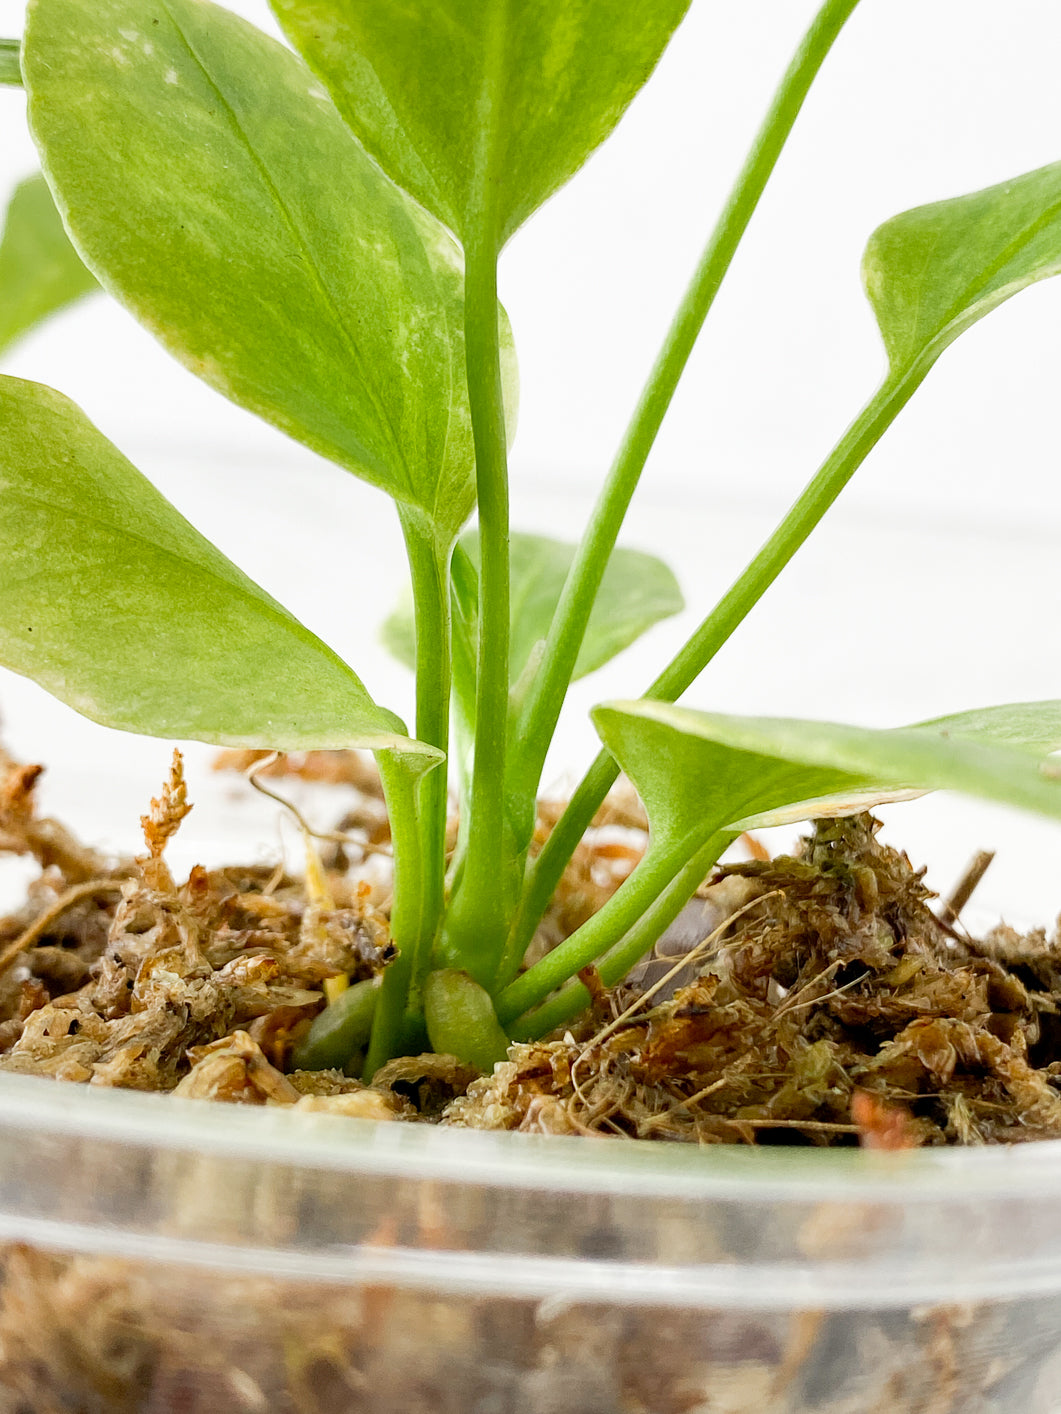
(315, 231)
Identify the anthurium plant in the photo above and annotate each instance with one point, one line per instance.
(315, 230)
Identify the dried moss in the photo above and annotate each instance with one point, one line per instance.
(161, 971)
(829, 1006)
(836, 982)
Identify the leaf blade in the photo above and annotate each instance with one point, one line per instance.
(10, 69)
(932, 272)
(117, 606)
(224, 201)
(638, 591)
(493, 104)
(40, 272)
(739, 772)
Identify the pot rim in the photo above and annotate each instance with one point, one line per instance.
(608, 1166)
(295, 1196)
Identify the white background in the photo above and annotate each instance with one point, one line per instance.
(934, 588)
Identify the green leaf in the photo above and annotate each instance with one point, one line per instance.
(398, 631)
(10, 70)
(637, 591)
(932, 272)
(116, 605)
(221, 197)
(699, 772)
(40, 271)
(1036, 726)
(481, 108)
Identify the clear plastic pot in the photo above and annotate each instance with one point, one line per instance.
(167, 1255)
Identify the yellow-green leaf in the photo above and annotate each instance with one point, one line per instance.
(932, 272)
(120, 608)
(699, 772)
(208, 181)
(637, 591)
(481, 108)
(10, 70)
(40, 272)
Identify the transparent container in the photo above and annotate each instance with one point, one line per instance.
(168, 1255)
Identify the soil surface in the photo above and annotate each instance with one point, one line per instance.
(814, 999)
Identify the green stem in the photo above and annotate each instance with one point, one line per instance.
(429, 569)
(746, 591)
(392, 1025)
(546, 697)
(636, 900)
(613, 967)
(416, 805)
(476, 925)
(10, 68)
(412, 926)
